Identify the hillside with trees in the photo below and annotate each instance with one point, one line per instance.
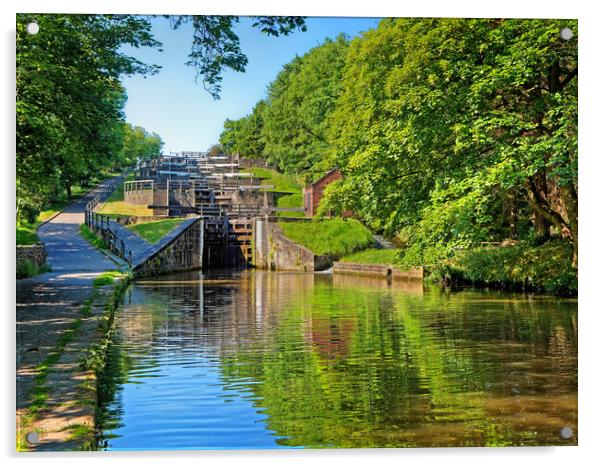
(450, 133)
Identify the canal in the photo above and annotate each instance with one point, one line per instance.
(249, 359)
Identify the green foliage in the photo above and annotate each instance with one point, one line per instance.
(154, 231)
(91, 237)
(27, 268)
(216, 46)
(295, 119)
(450, 126)
(523, 266)
(69, 118)
(449, 131)
(108, 278)
(244, 136)
(282, 182)
(289, 127)
(336, 237)
(138, 144)
(373, 256)
(26, 234)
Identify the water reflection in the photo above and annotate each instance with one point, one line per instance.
(266, 360)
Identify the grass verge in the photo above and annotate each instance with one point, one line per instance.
(373, 256)
(334, 237)
(290, 200)
(27, 269)
(282, 182)
(91, 237)
(154, 231)
(115, 205)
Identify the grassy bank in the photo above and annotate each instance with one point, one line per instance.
(373, 256)
(287, 201)
(334, 237)
(546, 268)
(116, 207)
(282, 183)
(154, 231)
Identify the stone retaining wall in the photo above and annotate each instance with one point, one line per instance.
(139, 197)
(274, 251)
(377, 270)
(35, 253)
(181, 253)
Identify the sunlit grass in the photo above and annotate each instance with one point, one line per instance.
(373, 256)
(154, 231)
(121, 208)
(290, 200)
(108, 278)
(282, 182)
(335, 237)
(115, 205)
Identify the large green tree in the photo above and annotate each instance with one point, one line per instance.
(450, 127)
(139, 144)
(298, 104)
(69, 98)
(244, 136)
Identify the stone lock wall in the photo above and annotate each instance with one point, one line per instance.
(274, 251)
(139, 197)
(184, 252)
(35, 253)
(376, 270)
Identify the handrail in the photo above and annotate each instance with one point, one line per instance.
(101, 224)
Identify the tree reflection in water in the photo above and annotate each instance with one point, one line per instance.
(339, 361)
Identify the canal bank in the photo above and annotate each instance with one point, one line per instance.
(62, 320)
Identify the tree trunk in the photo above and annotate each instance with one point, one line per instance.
(568, 194)
(68, 188)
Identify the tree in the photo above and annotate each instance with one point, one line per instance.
(69, 98)
(298, 105)
(446, 118)
(216, 47)
(215, 150)
(244, 136)
(138, 144)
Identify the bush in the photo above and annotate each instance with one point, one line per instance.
(28, 269)
(542, 268)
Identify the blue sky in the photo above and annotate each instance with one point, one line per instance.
(182, 112)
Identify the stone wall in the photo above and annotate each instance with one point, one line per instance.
(274, 251)
(377, 270)
(35, 253)
(181, 253)
(139, 197)
(160, 198)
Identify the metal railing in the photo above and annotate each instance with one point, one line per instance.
(101, 224)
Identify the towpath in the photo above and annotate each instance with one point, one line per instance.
(48, 306)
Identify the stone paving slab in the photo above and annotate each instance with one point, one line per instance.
(47, 305)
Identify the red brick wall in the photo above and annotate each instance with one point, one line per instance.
(316, 190)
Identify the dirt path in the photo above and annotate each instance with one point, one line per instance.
(51, 305)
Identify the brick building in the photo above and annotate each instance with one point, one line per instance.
(312, 193)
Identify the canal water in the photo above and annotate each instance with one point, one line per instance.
(249, 359)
